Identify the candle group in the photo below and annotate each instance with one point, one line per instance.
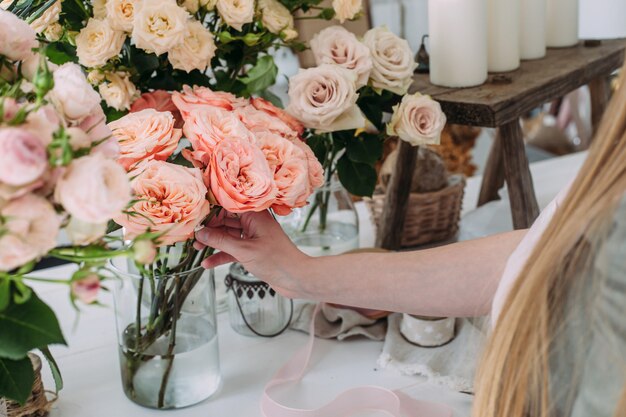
(469, 38)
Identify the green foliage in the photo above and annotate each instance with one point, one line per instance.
(365, 148)
(374, 104)
(320, 146)
(54, 368)
(61, 52)
(16, 379)
(31, 325)
(358, 178)
(74, 14)
(261, 76)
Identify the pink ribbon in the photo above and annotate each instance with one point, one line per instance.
(395, 403)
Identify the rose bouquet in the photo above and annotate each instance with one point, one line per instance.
(134, 46)
(224, 156)
(58, 174)
(352, 101)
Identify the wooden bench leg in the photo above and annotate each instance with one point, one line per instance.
(524, 207)
(493, 176)
(391, 227)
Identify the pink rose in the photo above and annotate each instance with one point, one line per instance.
(17, 39)
(289, 165)
(418, 120)
(196, 97)
(144, 136)
(93, 189)
(23, 158)
(10, 107)
(30, 231)
(260, 121)
(86, 289)
(82, 233)
(95, 125)
(269, 108)
(205, 127)
(239, 177)
(43, 123)
(159, 100)
(172, 199)
(72, 95)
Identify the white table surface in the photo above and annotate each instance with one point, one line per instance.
(91, 369)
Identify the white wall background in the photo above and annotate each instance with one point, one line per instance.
(599, 19)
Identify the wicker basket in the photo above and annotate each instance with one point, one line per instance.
(37, 405)
(431, 217)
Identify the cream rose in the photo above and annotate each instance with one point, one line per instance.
(337, 45)
(171, 199)
(121, 13)
(393, 62)
(118, 91)
(418, 120)
(145, 135)
(83, 233)
(54, 32)
(196, 51)
(93, 189)
(72, 95)
(236, 13)
(49, 17)
(159, 26)
(99, 8)
(98, 42)
(17, 39)
(275, 17)
(347, 9)
(324, 98)
(29, 232)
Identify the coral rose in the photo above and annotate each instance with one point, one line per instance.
(159, 26)
(29, 232)
(269, 108)
(324, 98)
(17, 39)
(260, 121)
(236, 13)
(418, 119)
(206, 127)
(159, 100)
(144, 136)
(23, 157)
(93, 189)
(288, 164)
(196, 51)
(192, 98)
(72, 95)
(98, 42)
(172, 200)
(239, 177)
(337, 45)
(315, 169)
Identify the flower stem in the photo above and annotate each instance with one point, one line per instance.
(170, 349)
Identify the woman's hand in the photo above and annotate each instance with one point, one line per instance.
(258, 242)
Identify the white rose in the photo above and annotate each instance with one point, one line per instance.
(118, 91)
(324, 98)
(98, 42)
(236, 13)
(392, 59)
(347, 9)
(337, 45)
(196, 51)
(72, 95)
(159, 26)
(50, 16)
(99, 8)
(53, 32)
(275, 17)
(121, 13)
(82, 233)
(17, 39)
(418, 119)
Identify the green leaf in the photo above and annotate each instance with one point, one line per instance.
(272, 98)
(54, 369)
(251, 39)
(144, 62)
(358, 178)
(5, 293)
(261, 76)
(319, 146)
(16, 379)
(365, 148)
(28, 326)
(60, 52)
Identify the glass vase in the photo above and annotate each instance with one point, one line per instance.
(254, 308)
(328, 225)
(167, 334)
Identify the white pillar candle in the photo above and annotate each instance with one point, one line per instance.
(533, 29)
(503, 36)
(458, 42)
(562, 23)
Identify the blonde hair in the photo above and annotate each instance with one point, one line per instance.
(514, 375)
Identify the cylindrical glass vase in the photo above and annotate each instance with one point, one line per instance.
(254, 308)
(167, 334)
(328, 225)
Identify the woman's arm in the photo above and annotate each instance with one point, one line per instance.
(453, 280)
